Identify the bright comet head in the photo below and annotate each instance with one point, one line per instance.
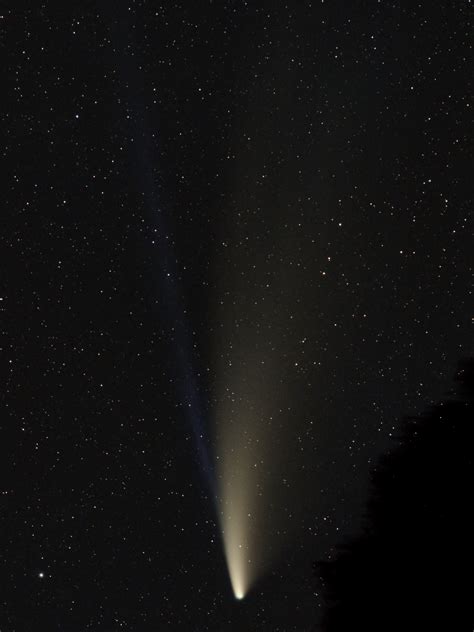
(245, 456)
(237, 585)
(236, 562)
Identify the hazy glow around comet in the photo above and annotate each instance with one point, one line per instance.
(256, 435)
(244, 460)
(236, 498)
(253, 429)
(235, 509)
(259, 321)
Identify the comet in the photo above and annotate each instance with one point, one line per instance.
(235, 538)
(244, 462)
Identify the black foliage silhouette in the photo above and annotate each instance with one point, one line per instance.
(411, 569)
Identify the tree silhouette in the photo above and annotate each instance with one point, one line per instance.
(411, 568)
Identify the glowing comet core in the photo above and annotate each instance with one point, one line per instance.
(235, 535)
(235, 553)
(243, 461)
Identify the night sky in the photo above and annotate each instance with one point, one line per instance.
(236, 251)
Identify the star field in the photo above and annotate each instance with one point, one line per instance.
(218, 217)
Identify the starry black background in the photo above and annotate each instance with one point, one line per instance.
(140, 139)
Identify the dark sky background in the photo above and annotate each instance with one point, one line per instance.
(173, 172)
